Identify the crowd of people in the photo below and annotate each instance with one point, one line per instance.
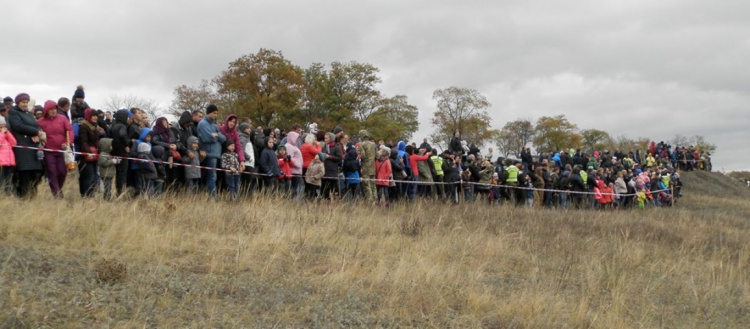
(234, 159)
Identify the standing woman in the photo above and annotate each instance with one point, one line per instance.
(59, 134)
(331, 165)
(164, 137)
(89, 139)
(229, 130)
(27, 132)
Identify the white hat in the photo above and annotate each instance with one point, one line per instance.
(2, 120)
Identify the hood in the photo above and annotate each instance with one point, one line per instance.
(157, 151)
(191, 140)
(48, 106)
(159, 126)
(105, 145)
(292, 137)
(185, 118)
(144, 133)
(226, 122)
(87, 113)
(600, 184)
(402, 146)
(121, 116)
(144, 148)
(351, 153)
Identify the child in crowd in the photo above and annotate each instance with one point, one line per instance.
(231, 161)
(107, 165)
(137, 179)
(193, 159)
(529, 191)
(146, 168)
(314, 176)
(495, 189)
(352, 167)
(285, 164)
(7, 157)
(383, 173)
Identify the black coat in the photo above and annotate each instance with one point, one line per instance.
(23, 126)
(455, 146)
(333, 158)
(119, 133)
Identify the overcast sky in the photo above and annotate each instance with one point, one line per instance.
(639, 68)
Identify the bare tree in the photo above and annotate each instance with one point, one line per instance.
(150, 106)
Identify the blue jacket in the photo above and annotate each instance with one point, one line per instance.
(404, 157)
(207, 142)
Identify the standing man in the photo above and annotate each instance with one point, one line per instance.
(120, 147)
(210, 140)
(197, 116)
(368, 152)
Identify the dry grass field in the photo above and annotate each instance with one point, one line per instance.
(274, 264)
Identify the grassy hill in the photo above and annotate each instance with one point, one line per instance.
(270, 263)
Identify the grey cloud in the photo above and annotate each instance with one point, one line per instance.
(639, 68)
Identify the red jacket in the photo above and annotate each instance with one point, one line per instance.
(286, 168)
(413, 159)
(56, 129)
(308, 153)
(383, 172)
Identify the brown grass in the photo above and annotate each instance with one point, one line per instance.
(271, 263)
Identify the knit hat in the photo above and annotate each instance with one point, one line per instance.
(243, 126)
(79, 92)
(144, 148)
(337, 130)
(22, 97)
(7, 99)
(364, 134)
(2, 120)
(211, 108)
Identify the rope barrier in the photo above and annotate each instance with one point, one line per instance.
(339, 178)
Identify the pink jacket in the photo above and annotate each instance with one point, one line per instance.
(7, 141)
(294, 152)
(56, 128)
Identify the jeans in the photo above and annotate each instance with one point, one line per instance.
(211, 176)
(469, 194)
(153, 187)
(383, 192)
(298, 186)
(563, 200)
(233, 185)
(87, 180)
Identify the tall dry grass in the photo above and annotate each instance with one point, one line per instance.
(271, 263)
